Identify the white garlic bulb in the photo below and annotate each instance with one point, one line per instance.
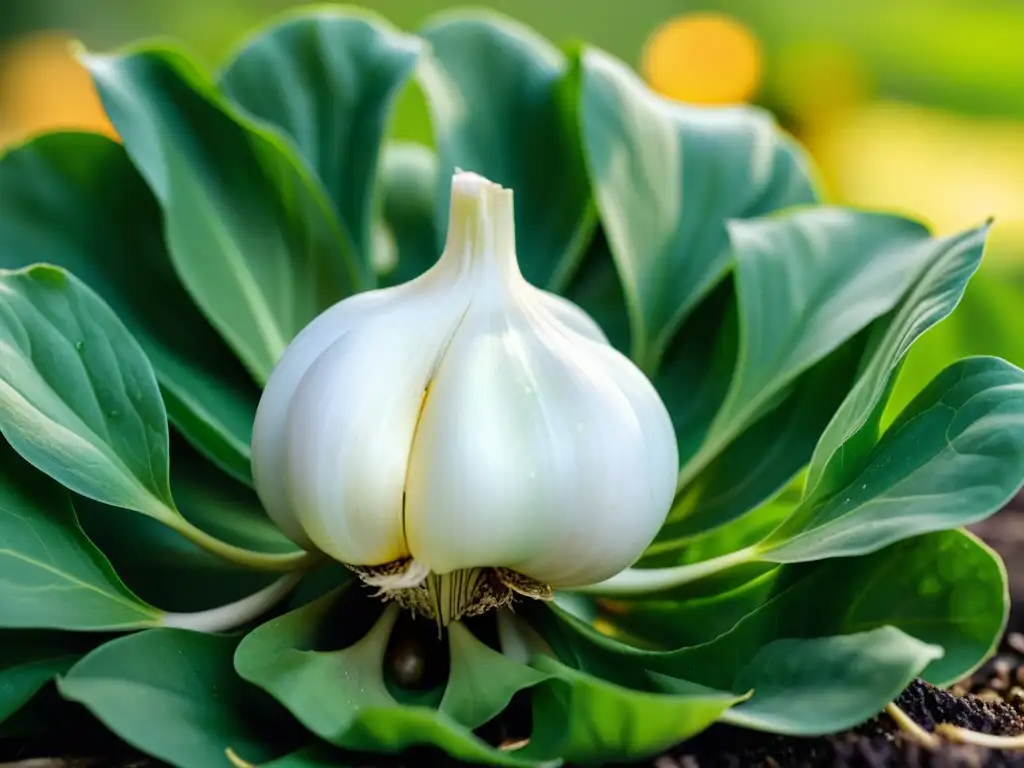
(465, 434)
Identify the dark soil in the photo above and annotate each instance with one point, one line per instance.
(990, 702)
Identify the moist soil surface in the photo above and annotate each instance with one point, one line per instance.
(990, 702)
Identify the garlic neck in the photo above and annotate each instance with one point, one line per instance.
(481, 230)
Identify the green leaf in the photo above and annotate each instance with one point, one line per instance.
(482, 680)
(28, 661)
(167, 569)
(78, 398)
(328, 80)
(950, 264)
(174, 695)
(250, 231)
(955, 456)
(945, 589)
(838, 274)
(764, 458)
(961, 602)
(807, 687)
(983, 324)
(88, 412)
(74, 200)
(53, 576)
(277, 657)
(503, 103)
(667, 177)
(395, 729)
(806, 283)
(274, 657)
(942, 588)
(409, 182)
(583, 719)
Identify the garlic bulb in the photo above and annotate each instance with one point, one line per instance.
(465, 435)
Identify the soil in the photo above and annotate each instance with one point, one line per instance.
(990, 702)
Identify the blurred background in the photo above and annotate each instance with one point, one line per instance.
(910, 106)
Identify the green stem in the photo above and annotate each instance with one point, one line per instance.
(247, 558)
(634, 582)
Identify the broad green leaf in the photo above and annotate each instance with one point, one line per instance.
(942, 588)
(948, 589)
(88, 412)
(395, 729)
(174, 695)
(807, 687)
(581, 718)
(764, 458)
(806, 283)
(278, 657)
(503, 104)
(75, 201)
(482, 680)
(249, 228)
(53, 576)
(28, 661)
(78, 398)
(408, 184)
(328, 80)
(854, 430)
(666, 178)
(955, 456)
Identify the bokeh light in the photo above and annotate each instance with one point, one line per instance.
(703, 58)
(953, 171)
(43, 87)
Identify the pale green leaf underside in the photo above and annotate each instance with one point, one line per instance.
(78, 398)
(666, 178)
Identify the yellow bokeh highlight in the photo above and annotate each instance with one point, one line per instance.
(703, 58)
(43, 87)
(952, 171)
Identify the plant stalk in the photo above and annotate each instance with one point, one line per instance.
(227, 617)
(247, 558)
(634, 582)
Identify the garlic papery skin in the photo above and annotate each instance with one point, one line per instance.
(465, 436)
